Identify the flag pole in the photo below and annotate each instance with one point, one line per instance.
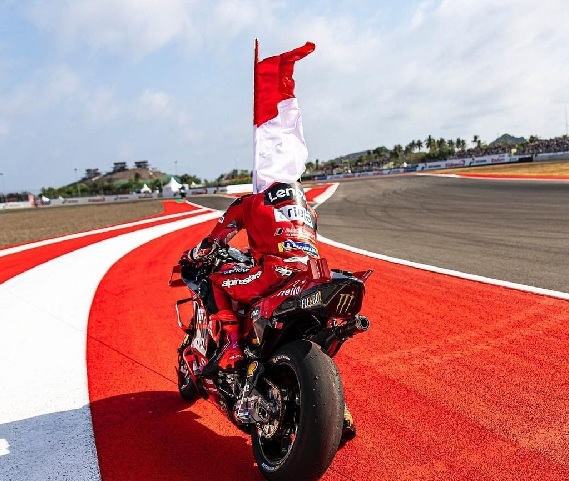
(256, 61)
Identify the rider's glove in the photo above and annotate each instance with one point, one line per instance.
(204, 252)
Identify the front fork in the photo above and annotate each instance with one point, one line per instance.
(187, 363)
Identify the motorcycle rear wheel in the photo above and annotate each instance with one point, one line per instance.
(300, 445)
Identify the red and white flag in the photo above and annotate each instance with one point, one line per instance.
(280, 149)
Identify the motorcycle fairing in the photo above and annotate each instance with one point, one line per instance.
(318, 301)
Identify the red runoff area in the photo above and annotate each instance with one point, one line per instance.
(455, 380)
(516, 177)
(19, 262)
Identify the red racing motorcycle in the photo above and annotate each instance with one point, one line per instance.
(289, 396)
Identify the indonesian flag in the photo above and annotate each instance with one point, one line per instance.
(280, 150)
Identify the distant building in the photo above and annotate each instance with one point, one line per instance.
(91, 173)
(119, 166)
(141, 164)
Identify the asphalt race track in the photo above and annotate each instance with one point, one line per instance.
(456, 379)
(512, 230)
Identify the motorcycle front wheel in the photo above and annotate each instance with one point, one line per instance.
(186, 386)
(302, 435)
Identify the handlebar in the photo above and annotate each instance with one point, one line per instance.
(194, 274)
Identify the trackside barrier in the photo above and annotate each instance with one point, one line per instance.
(245, 188)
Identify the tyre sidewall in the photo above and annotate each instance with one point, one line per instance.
(321, 414)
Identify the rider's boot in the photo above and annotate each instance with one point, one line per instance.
(230, 354)
(349, 428)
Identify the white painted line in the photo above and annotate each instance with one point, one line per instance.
(481, 177)
(4, 447)
(448, 272)
(324, 196)
(55, 240)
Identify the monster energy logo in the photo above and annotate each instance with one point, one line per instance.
(344, 303)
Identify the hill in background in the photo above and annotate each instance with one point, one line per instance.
(507, 139)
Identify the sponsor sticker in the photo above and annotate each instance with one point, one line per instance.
(283, 192)
(280, 357)
(241, 282)
(237, 269)
(294, 213)
(293, 290)
(313, 299)
(290, 245)
(296, 232)
(283, 271)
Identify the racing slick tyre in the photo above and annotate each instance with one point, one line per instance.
(301, 437)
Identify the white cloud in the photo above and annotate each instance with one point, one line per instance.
(102, 108)
(232, 17)
(158, 106)
(137, 27)
(380, 75)
(41, 90)
(154, 103)
(458, 69)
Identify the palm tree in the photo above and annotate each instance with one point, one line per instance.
(397, 151)
(419, 144)
(430, 143)
(476, 140)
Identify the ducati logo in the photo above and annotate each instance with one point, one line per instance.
(344, 303)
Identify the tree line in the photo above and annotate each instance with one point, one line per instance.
(380, 157)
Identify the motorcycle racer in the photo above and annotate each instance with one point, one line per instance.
(281, 231)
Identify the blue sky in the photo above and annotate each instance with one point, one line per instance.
(86, 83)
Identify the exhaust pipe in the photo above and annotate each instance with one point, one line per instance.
(356, 325)
(332, 338)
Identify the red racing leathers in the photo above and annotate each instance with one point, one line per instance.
(281, 230)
